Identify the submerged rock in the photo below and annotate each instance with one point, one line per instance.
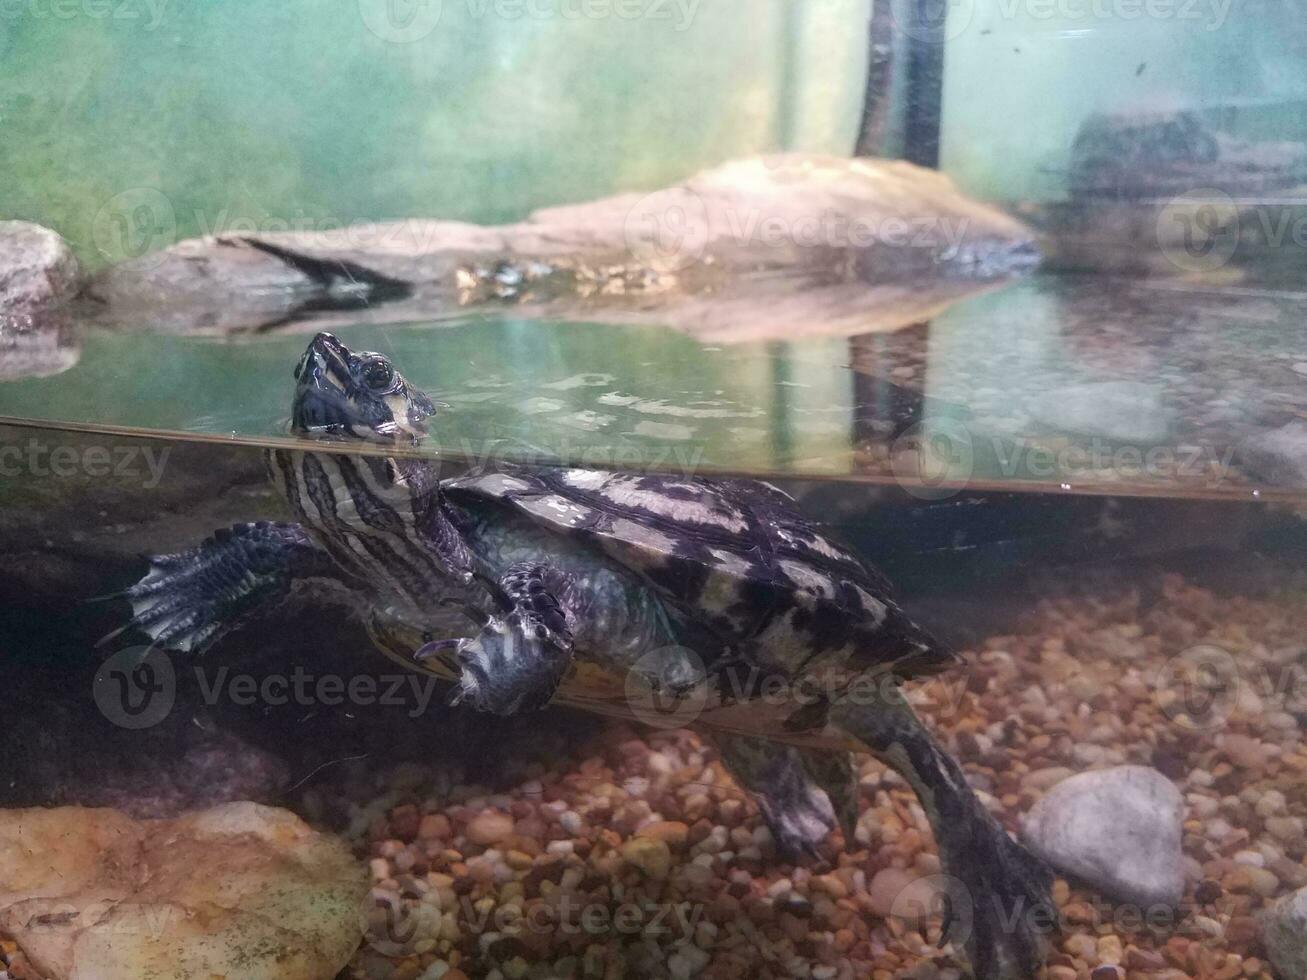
(1120, 411)
(38, 275)
(1278, 456)
(240, 890)
(768, 247)
(1284, 933)
(37, 268)
(1117, 829)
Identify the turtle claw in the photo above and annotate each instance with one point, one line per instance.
(513, 664)
(437, 650)
(444, 653)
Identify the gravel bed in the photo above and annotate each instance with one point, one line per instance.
(637, 856)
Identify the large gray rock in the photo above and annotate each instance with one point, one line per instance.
(1117, 829)
(38, 270)
(1278, 456)
(1119, 411)
(38, 276)
(769, 247)
(1284, 933)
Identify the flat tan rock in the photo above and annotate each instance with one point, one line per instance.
(237, 892)
(767, 247)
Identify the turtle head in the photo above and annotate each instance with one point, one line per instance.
(340, 394)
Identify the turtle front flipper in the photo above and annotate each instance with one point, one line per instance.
(188, 599)
(995, 893)
(802, 793)
(521, 654)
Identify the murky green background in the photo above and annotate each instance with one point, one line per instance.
(128, 124)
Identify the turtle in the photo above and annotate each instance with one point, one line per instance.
(711, 601)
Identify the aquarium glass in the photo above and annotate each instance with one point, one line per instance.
(540, 489)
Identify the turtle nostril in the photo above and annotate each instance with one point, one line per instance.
(327, 345)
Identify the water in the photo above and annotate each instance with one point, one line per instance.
(1046, 383)
(1087, 481)
(1111, 614)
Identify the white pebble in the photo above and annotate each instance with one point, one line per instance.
(1250, 858)
(1286, 829)
(686, 962)
(1217, 829)
(713, 843)
(1272, 804)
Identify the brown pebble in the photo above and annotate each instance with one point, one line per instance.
(651, 856)
(699, 830)
(518, 860)
(404, 822)
(1144, 960)
(489, 827)
(1245, 752)
(831, 884)
(434, 826)
(1241, 931)
(672, 832)
(1078, 913)
(1110, 951)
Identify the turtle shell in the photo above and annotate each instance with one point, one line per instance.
(733, 556)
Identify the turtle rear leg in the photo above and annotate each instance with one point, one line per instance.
(522, 652)
(999, 907)
(802, 793)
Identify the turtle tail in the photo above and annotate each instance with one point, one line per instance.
(908, 650)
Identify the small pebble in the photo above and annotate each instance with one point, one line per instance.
(489, 827)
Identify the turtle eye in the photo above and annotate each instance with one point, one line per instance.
(378, 374)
